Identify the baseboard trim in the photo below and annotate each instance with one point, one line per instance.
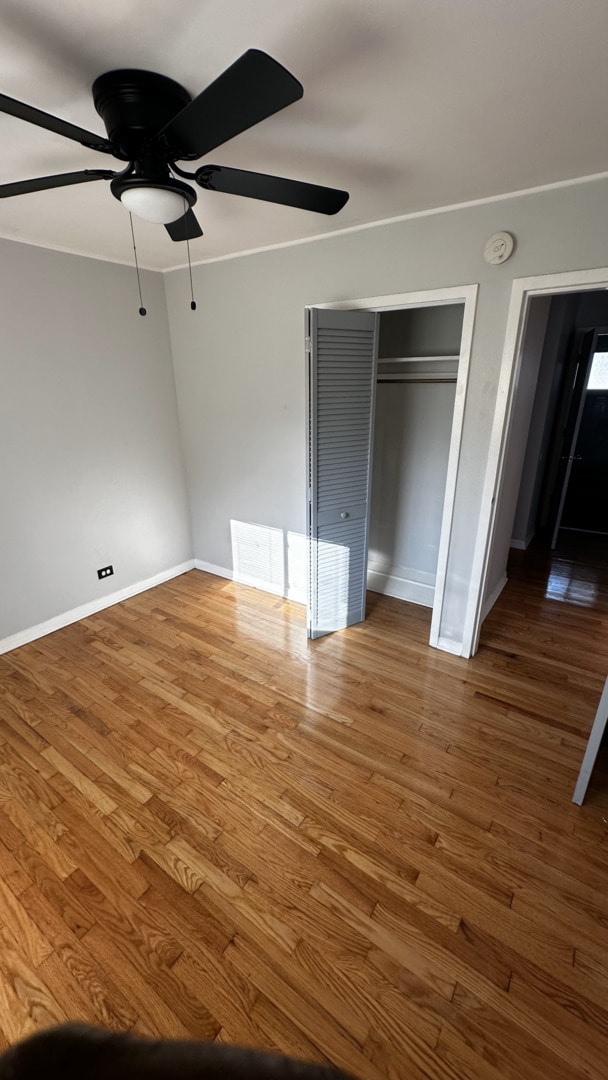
(489, 603)
(523, 545)
(447, 645)
(15, 641)
(298, 596)
(414, 592)
(211, 568)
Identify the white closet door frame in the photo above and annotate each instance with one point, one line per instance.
(466, 294)
(522, 292)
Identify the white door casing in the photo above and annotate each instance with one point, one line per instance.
(522, 292)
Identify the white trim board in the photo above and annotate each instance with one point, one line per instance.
(466, 294)
(378, 223)
(402, 588)
(211, 568)
(523, 290)
(431, 211)
(399, 301)
(447, 645)
(23, 637)
(593, 746)
(522, 545)
(296, 595)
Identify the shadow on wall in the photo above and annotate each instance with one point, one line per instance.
(277, 561)
(269, 558)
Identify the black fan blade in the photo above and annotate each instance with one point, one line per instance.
(53, 123)
(185, 228)
(254, 87)
(42, 183)
(322, 200)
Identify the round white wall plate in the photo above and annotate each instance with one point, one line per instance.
(499, 248)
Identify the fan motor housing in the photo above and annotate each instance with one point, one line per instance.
(135, 105)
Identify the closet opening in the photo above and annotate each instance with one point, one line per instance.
(418, 356)
(387, 380)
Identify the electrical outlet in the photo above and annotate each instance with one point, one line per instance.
(106, 571)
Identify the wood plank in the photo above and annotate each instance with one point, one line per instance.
(356, 850)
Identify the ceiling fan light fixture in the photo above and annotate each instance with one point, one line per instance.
(154, 204)
(159, 201)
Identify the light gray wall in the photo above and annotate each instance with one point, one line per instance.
(424, 331)
(239, 360)
(91, 469)
(411, 448)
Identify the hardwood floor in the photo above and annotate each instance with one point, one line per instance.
(358, 850)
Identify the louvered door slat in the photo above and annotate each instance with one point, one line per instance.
(342, 378)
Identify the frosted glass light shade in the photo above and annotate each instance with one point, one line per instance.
(154, 203)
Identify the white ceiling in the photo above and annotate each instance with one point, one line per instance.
(408, 104)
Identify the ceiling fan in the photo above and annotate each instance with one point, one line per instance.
(152, 123)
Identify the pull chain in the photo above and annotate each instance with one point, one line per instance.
(192, 300)
(142, 310)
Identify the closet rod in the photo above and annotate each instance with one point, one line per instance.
(416, 379)
(417, 359)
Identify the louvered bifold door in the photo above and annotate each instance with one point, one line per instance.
(342, 349)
